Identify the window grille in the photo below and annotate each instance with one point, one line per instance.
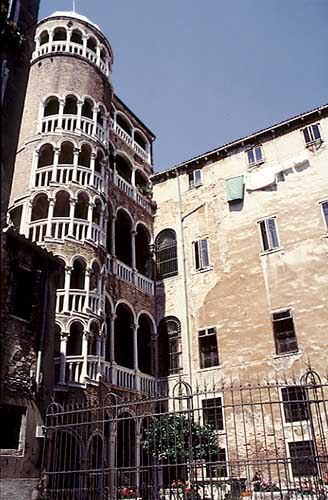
(208, 348)
(166, 254)
(295, 403)
(284, 332)
(201, 254)
(303, 462)
(212, 413)
(269, 234)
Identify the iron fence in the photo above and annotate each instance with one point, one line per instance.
(221, 442)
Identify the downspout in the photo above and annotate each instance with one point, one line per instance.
(42, 333)
(184, 260)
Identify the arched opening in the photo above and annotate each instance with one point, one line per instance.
(65, 456)
(57, 341)
(169, 346)
(81, 206)
(85, 155)
(92, 44)
(60, 275)
(143, 258)
(101, 116)
(99, 160)
(59, 34)
(61, 208)
(70, 107)
(103, 54)
(108, 313)
(166, 254)
(76, 37)
(78, 275)
(51, 107)
(97, 213)
(87, 108)
(93, 339)
(145, 354)
(46, 155)
(123, 243)
(123, 168)
(123, 335)
(44, 37)
(74, 339)
(141, 182)
(40, 207)
(126, 450)
(140, 140)
(124, 124)
(95, 276)
(66, 155)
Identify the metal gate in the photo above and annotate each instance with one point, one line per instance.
(223, 441)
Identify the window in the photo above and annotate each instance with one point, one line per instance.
(218, 464)
(255, 156)
(22, 293)
(166, 254)
(212, 413)
(11, 424)
(201, 254)
(324, 207)
(302, 458)
(295, 403)
(269, 234)
(208, 348)
(284, 332)
(195, 179)
(170, 349)
(312, 134)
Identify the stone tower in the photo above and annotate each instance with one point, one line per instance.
(81, 189)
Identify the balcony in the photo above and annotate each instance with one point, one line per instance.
(97, 368)
(79, 301)
(64, 174)
(72, 48)
(70, 123)
(132, 192)
(127, 274)
(61, 228)
(145, 155)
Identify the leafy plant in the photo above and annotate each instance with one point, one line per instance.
(177, 439)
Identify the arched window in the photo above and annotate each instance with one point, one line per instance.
(140, 140)
(85, 156)
(124, 124)
(76, 37)
(40, 207)
(81, 206)
(97, 212)
(166, 254)
(93, 338)
(70, 107)
(57, 340)
(59, 34)
(66, 154)
(123, 241)
(78, 275)
(145, 350)
(95, 277)
(144, 262)
(169, 346)
(92, 44)
(87, 109)
(62, 204)
(52, 107)
(123, 168)
(44, 37)
(98, 161)
(74, 341)
(46, 155)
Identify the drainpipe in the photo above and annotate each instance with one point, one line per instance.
(42, 332)
(185, 285)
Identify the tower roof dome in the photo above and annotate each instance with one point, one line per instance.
(74, 15)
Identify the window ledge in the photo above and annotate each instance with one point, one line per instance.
(254, 165)
(12, 452)
(273, 250)
(195, 187)
(204, 270)
(286, 354)
(324, 236)
(317, 142)
(169, 278)
(210, 368)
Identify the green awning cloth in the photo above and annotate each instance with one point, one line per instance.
(235, 188)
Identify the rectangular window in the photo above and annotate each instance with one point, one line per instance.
(195, 178)
(269, 234)
(295, 403)
(284, 332)
(302, 458)
(324, 207)
(312, 134)
(212, 413)
(11, 422)
(208, 348)
(217, 466)
(22, 293)
(201, 254)
(255, 156)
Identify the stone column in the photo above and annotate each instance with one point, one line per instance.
(79, 115)
(72, 203)
(63, 349)
(87, 289)
(90, 210)
(68, 40)
(35, 162)
(51, 36)
(134, 328)
(98, 50)
(40, 117)
(28, 218)
(60, 114)
(92, 167)
(55, 164)
(94, 119)
(75, 163)
(154, 354)
(84, 372)
(85, 41)
(111, 334)
(67, 286)
(133, 248)
(50, 215)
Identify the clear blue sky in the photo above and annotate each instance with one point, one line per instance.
(201, 73)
